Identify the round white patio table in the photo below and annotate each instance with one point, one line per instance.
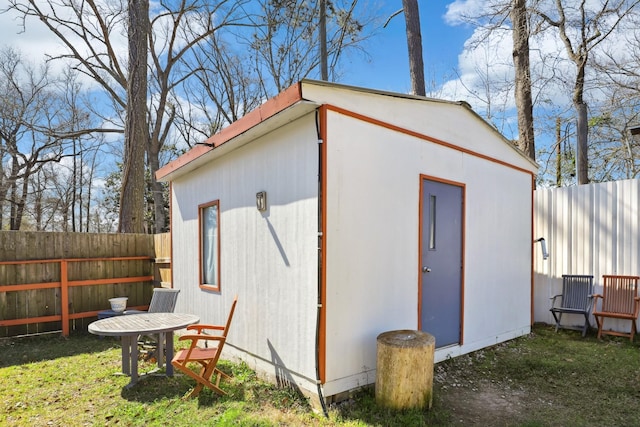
(130, 326)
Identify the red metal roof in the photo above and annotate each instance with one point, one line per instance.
(270, 108)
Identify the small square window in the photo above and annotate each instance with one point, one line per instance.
(209, 219)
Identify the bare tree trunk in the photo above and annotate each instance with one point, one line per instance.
(591, 30)
(14, 219)
(324, 68)
(74, 186)
(558, 154)
(522, 91)
(136, 132)
(582, 161)
(19, 200)
(414, 43)
(87, 206)
(160, 223)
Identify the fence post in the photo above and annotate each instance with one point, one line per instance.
(64, 297)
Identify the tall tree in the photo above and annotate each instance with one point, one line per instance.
(224, 89)
(30, 112)
(522, 90)
(236, 70)
(414, 43)
(491, 18)
(581, 28)
(91, 32)
(136, 133)
(283, 46)
(43, 146)
(283, 42)
(324, 61)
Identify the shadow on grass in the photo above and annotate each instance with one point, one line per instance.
(243, 390)
(363, 408)
(156, 387)
(23, 350)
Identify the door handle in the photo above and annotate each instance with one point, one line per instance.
(426, 270)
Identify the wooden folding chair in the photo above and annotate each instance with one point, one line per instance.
(577, 292)
(619, 301)
(206, 357)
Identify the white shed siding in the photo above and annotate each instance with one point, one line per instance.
(268, 259)
(498, 251)
(372, 241)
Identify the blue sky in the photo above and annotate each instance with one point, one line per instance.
(386, 67)
(451, 72)
(389, 66)
(482, 76)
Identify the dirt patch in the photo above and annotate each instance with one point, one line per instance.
(482, 402)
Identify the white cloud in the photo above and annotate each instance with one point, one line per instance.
(33, 41)
(457, 10)
(461, 11)
(485, 79)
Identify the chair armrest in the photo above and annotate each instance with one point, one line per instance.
(595, 301)
(201, 327)
(636, 305)
(201, 337)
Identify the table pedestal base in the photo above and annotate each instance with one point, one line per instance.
(130, 355)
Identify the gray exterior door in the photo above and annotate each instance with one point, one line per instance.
(441, 257)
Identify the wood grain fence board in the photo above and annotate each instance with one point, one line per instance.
(31, 241)
(121, 290)
(38, 249)
(58, 245)
(82, 269)
(4, 312)
(125, 271)
(9, 246)
(136, 293)
(111, 269)
(13, 304)
(162, 268)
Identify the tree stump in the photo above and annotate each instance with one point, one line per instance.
(404, 374)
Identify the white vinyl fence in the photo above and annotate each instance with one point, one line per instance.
(588, 229)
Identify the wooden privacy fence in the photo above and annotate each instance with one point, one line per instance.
(63, 300)
(60, 281)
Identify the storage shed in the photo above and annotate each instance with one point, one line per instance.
(336, 213)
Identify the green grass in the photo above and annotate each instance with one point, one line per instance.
(544, 379)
